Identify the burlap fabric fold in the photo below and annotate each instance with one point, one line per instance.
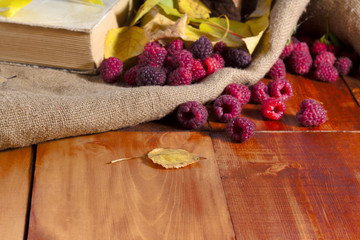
(44, 104)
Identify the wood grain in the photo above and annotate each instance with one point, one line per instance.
(292, 185)
(15, 174)
(77, 195)
(354, 85)
(343, 113)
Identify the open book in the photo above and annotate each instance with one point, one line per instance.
(66, 34)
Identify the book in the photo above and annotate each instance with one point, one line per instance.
(67, 34)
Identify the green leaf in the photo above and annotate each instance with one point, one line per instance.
(143, 9)
(168, 3)
(335, 40)
(125, 42)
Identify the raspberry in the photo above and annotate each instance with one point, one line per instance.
(192, 115)
(111, 69)
(240, 129)
(324, 57)
(295, 40)
(280, 89)
(130, 75)
(259, 92)
(219, 59)
(273, 108)
(239, 91)
(317, 47)
(150, 75)
(278, 70)
(180, 76)
(201, 48)
(211, 65)
(308, 40)
(226, 107)
(174, 46)
(220, 48)
(354, 57)
(333, 49)
(182, 58)
(153, 55)
(302, 46)
(198, 71)
(326, 73)
(300, 62)
(311, 113)
(237, 58)
(287, 50)
(343, 65)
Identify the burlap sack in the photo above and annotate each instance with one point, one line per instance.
(43, 104)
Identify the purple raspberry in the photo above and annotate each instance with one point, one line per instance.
(239, 91)
(220, 48)
(237, 58)
(226, 107)
(311, 113)
(201, 48)
(259, 92)
(150, 75)
(130, 75)
(192, 115)
(174, 46)
(111, 69)
(180, 76)
(240, 129)
(280, 89)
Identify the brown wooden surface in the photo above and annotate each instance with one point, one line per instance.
(77, 195)
(287, 182)
(292, 185)
(15, 176)
(336, 98)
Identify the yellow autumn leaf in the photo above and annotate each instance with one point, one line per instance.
(194, 8)
(143, 9)
(9, 7)
(162, 27)
(125, 42)
(172, 158)
(98, 2)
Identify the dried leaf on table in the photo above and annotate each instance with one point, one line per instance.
(143, 9)
(125, 42)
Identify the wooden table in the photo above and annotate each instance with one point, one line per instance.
(287, 182)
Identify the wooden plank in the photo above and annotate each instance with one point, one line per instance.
(292, 185)
(354, 85)
(15, 178)
(77, 195)
(343, 112)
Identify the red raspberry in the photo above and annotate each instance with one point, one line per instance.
(153, 55)
(302, 46)
(240, 129)
(198, 71)
(111, 69)
(192, 115)
(311, 113)
(278, 70)
(273, 108)
(220, 48)
(280, 89)
(174, 46)
(343, 65)
(211, 65)
(287, 50)
(326, 73)
(259, 92)
(226, 107)
(300, 62)
(324, 57)
(317, 47)
(201, 48)
(333, 49)
(130, 75)
(182, 58)
(219, 59)
(239, 91)
(180, 76)
(150, 75)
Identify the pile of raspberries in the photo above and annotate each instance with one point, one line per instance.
(307, 56)
(174, 65)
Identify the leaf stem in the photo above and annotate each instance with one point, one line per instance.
(123, 159)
